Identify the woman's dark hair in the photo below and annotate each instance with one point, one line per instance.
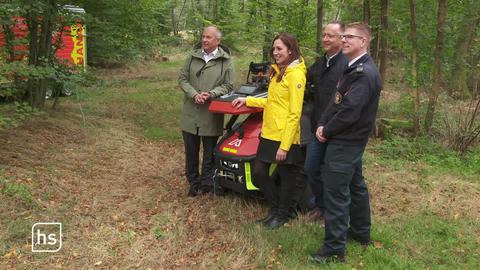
(291, 43)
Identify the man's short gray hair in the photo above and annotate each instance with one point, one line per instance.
(218, 33)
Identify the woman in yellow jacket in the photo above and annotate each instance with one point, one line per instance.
(280, 137)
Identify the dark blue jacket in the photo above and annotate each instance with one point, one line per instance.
(351, 113)
(321, 83)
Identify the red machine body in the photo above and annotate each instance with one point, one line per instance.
(243, 141)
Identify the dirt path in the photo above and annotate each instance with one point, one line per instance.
(121, 200)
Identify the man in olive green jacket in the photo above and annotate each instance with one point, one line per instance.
(207, 73)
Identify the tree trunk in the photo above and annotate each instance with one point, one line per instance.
(375, 43)
(416, 93)
(383, 39)
(267, 36)
(40, 50)
(366, 11)
(215, 10)
(45, 52)
(9, 38)
(174, 22)
(339, 10)
(319, 26)
(32, 84)
(433, 93)
(458, 82)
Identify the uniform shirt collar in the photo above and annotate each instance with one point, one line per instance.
(329, 58)
(209, 56)
(355, 59)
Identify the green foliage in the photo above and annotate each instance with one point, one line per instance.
(403, 108)
(12, 115)
(399, 152)
(120, 31)
(18, 191)
(158, 233)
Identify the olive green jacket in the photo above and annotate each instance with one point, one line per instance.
(196, 76)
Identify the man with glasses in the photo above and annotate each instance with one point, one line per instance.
(207, 73)
(345, 127)
(322, 78)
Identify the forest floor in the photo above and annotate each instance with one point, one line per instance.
(108, 165)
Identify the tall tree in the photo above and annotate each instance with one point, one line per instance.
(416, 93)
(383, 38)
(267, 34)
(319, 26)
(366, 11)
(40, 48)
(434, 90)
(339, 10)
(458, 81)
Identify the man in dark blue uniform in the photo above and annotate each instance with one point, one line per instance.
(345, 127)
(322, 78)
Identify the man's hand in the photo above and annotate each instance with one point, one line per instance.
(206, 95)
(239, 102)
(199, 99)
(281, 155)
(319, 134)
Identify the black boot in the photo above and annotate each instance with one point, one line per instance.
(271, 214)
(291, 187)
(276, 222)
(193, 190)
(323, 256)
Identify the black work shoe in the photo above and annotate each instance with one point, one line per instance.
(364, 241)
(276, 222)
(322, 256)
(193, 191)
(267, 218)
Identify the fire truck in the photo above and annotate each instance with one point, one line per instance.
(72, 49)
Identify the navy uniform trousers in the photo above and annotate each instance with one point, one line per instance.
(347, 207)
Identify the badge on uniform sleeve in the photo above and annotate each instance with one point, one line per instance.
(338, 98)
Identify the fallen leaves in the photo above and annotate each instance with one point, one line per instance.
(377, 244)
(10, 254)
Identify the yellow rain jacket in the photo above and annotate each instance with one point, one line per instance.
(283, 106)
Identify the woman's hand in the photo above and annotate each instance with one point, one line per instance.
(239, 102)
(281, 155)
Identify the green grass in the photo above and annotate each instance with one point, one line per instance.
(424, 241)
(153, 100)
(399, 153)
(17, 191)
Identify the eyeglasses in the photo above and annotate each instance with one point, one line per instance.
(349, 37)
(324, 35)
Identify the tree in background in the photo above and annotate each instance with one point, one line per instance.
(318, 49)
(120, 31)
(416, 93)
(33, 76)
(383, 36)
(435, 89)
(466, 32)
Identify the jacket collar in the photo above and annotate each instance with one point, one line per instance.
(334, 58)
(357, 63)
(198, 53)
(294, 64)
